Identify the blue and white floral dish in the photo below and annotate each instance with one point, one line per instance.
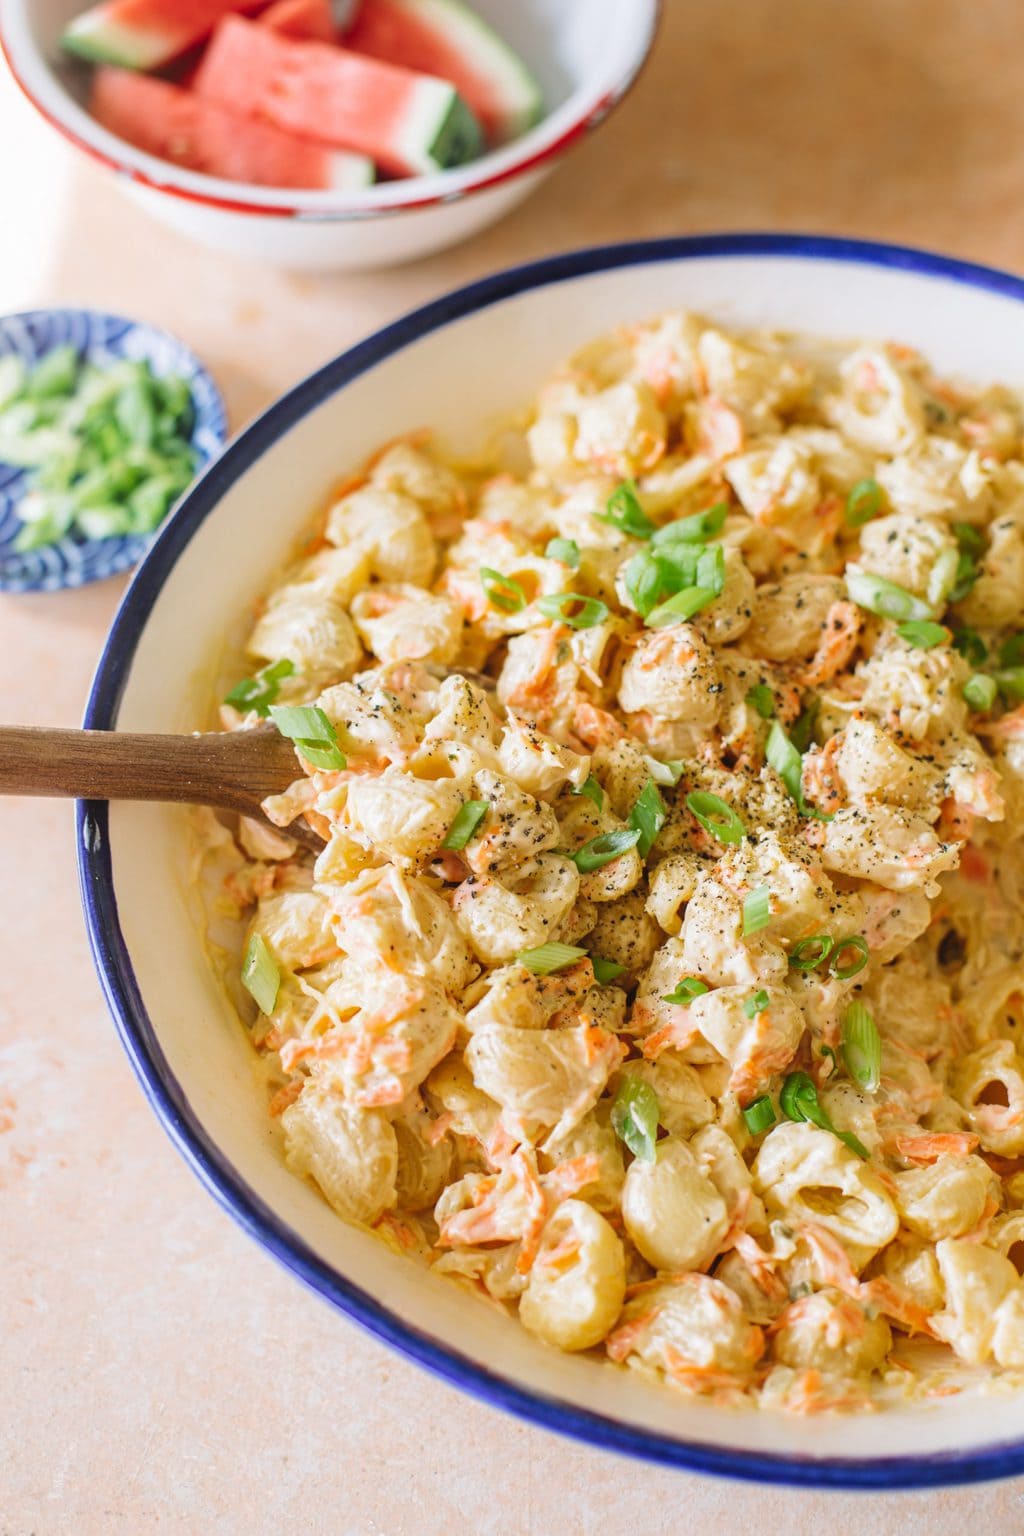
(101, 339)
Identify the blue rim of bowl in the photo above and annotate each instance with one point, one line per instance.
(121, 989)
(73, 562)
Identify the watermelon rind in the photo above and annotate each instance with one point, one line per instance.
(518, 99)
(451, 140)
(351, 173)
(94, 36)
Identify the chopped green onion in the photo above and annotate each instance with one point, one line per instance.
(980, 692)
(761, 698)
(696, 529)
(647, 817)
(757, 912)
(863, 503)
(549, 957)
(802, 731)
(1010, 681)
(756, 1004)
(684, 994)
(645, 579)
(572, 609)
(965, 572)
(799, 1101)
(565, 551)
(606, 970)
(624, 512)
(601, 850)
(666, 773)
(635, 1114)
(592, 789)
(502, 591)
(711, 569)
(311, 731)
(259, 692)
(862, 1047)
(465, 824)
(882, 597)
(852, 967)
(829, 1055)
(923, 633)
(971, 646)
(786, 760)
(1011, 652)
(683, 606)
(807, 954)
(942, 578)
(969, 538)
(715, 816)
(759, 1115)
(260, 975)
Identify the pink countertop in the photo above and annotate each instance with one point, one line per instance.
(157, 1371)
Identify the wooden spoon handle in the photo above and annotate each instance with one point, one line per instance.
(233, 770)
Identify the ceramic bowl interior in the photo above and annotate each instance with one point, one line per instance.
(435, 368)
(585, 53)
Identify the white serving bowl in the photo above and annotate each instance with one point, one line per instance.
(585, 53)
(219, 552)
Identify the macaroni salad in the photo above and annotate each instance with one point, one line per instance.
(660, 977)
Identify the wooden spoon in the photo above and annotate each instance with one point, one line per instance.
(230, 770)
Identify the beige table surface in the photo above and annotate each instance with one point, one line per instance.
(157, 1371)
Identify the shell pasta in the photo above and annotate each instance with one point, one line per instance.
(660, 979)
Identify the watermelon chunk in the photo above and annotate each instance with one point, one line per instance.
(176, 125)
(410, 124)
(446, 38)
(146, 34)
(308, 21)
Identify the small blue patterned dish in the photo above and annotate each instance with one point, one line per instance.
(102, 340)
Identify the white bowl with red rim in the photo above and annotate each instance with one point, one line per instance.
(585, 53)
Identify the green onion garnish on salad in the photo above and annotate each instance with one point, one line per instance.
(923, 633)
(257, 693)
(884, 598)
(565, 551)
(572, 609)
(606, 970)
(647, 817)
(635, 1113)
(502, 592)
(761, 698)
(799, 1101)
(862, 1047)
(807, 954)
(863, 503)
(757, 911)
(759, 1115)
(465, 824)
(862, 955)
(666, 773)
(685, 605)
(260, 975)
(592, 789)
(970, 646)
(684, 994)
(548, 958)
(624, 512)
(980, 692)
(696, 529)
(1010, 681)
(311, 731)
(601, 850)
(715, 816)
(756, 1004)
